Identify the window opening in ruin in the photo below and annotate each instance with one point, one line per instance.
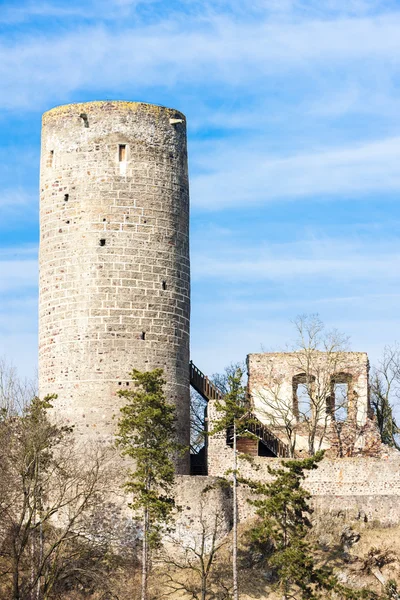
(127, 383)
(303, 402)
(302, 390)
(339, 400)
(67, 222)
(341, 391)
(102, 242)
(143, 335)
(122, 152)
(119, 382)
(164, 285)
(104, 220)
(66, 197)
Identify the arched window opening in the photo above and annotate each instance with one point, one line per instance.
(302, 392)
(340, 395)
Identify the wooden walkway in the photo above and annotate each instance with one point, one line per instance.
(209, 391)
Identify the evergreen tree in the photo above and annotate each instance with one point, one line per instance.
(146, 433)
(283, 510)
(233, 409)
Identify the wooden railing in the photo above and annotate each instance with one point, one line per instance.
(203, 385)
(272, 442)
(209, 391)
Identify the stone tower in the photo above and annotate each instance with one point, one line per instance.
(114, 259)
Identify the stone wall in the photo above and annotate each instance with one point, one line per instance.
(335, 398)
(271, 376)
(114, 259)
(204, 504)
(369, 485)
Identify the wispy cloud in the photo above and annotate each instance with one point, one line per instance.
(18, 271)
(108, 10)
(287, 101)
(247, 175)
(337, 259)
(217, 49)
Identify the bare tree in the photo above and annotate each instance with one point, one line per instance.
(276, 409)
(15, 392)
(52, 492)
(319, 373)
(222, 380)
(233, 412)
(385, 394)
(191, 558)
(198, 408)
(317, 398)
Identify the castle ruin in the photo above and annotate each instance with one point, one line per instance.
(115, 295)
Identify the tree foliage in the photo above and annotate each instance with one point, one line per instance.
(283, 511)
(283, 526)
(385, 393)
(146, 434)
(233, 409)
(48, 496)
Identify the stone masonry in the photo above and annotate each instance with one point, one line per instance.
(114, 259)
(340, 404)
(115, 295)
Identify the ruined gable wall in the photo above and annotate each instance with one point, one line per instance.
(271, 377)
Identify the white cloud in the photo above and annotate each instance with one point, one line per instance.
(247, 175)
(15, 198)
(219, 50)
(336, 259)
(18, 270)
(90, 9)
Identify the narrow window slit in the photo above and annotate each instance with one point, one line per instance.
(164, 285)
(119, 382)
(66, 197)
(143, 335)
(84, 118)
(122, 152)
(102, 242)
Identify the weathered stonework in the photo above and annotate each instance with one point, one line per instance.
(364, 483)
(273, 381)
(114, 259)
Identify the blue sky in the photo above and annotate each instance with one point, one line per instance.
(293, 112)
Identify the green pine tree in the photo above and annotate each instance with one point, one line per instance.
(233, 409)
(146, 433)
(284, 522)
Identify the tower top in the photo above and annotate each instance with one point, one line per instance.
(110, 106)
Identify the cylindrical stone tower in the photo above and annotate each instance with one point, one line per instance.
(114, 259)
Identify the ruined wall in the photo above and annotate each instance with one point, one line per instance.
(359, 487)
(203, 504)
(369, 486)
(114, 259)
(271, 376)
(343, 421)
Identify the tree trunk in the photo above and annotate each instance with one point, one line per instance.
(15, 577)
(145, 554)
(235, 519)
(203, 588)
